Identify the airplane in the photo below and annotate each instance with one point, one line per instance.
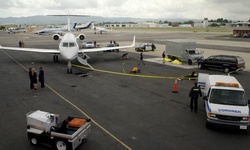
(16, 29)
(69, 48)
(84, 26)
(100, 29)
(54, 30)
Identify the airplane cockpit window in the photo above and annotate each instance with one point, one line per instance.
(71, 44)
(65, 44)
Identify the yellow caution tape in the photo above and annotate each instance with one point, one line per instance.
(126, 74)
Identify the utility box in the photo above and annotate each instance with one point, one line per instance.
(42, 120)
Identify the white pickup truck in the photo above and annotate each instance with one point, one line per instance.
(44, 127)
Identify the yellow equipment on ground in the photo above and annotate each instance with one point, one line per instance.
(135, 70)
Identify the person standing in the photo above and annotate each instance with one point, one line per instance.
(41, 77)
(153, 47)
(194, 93)
(34, 78)
(163, 57)
(30, 76)
(141, 59)
(20, 44)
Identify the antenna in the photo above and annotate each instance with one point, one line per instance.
(69, 18)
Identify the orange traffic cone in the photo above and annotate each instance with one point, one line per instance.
(175, 87)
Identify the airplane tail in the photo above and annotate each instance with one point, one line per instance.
(89, 24)
(73, 26)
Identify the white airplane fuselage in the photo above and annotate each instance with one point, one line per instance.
(69, 47)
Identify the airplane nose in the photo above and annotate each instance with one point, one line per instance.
(69, 54)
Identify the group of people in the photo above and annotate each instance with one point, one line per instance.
(33, 78)
(21, 44)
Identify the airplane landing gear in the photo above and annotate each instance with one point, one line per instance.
(55, 58)
(69, 70)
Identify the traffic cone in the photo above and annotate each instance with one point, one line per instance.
(175, 87)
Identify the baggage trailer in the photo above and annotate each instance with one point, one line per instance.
(44, 128)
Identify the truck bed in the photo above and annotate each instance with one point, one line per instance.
(70, 133)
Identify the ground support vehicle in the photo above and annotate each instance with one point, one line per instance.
(183, 50)
(44, 128)
(226, 103)
(145, 47)
(89, 44)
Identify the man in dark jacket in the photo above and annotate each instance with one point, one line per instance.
(30, 76)
(194, 93)
(41, 77)
(141, 59)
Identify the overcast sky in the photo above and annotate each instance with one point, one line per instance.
(169, 9)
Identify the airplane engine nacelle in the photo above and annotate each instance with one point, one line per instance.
(56, 37)
(81, 37)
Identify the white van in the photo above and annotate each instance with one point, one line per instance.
(225, 101)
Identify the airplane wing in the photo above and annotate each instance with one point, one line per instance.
(50, 51)
(107, 48)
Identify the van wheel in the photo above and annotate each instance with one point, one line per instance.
(245, 131)
(190, 62)
(61, 145)
(226, 69)
(208, 125)
(34, 140)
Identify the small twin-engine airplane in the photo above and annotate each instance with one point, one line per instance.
(69, 48)
(16, 29)
(101, 29)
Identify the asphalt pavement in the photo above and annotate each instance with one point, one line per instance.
(128, 111)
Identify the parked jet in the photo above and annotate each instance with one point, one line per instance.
(55, 30)
(84, 26)
(16, 29)
(69, 49)
(100, 29)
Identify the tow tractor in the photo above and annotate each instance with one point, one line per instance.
(44, 128)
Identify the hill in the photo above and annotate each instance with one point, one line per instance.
(41, 20)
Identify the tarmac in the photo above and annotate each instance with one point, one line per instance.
(128, 111)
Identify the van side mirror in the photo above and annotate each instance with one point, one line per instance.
(249, 102)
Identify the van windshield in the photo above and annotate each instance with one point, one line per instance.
(192, 52)
(228, 97)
